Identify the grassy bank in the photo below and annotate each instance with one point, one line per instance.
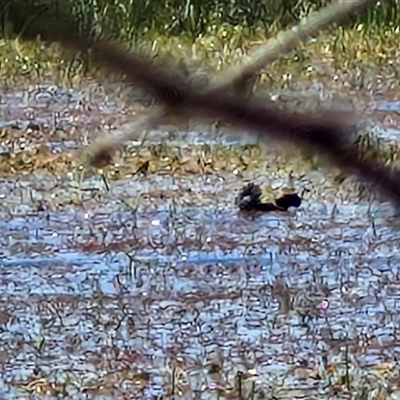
(131, 19)
(211, 34)
(363, 54)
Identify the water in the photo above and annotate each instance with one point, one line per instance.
(132, 297)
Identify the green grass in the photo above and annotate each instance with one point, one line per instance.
(128, 20)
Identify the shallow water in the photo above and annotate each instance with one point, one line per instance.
(94, 294)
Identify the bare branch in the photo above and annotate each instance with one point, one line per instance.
(323, 135)
(287, 41)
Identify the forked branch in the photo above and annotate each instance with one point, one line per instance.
(323, 135)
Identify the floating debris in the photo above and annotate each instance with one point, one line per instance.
(249, 199)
